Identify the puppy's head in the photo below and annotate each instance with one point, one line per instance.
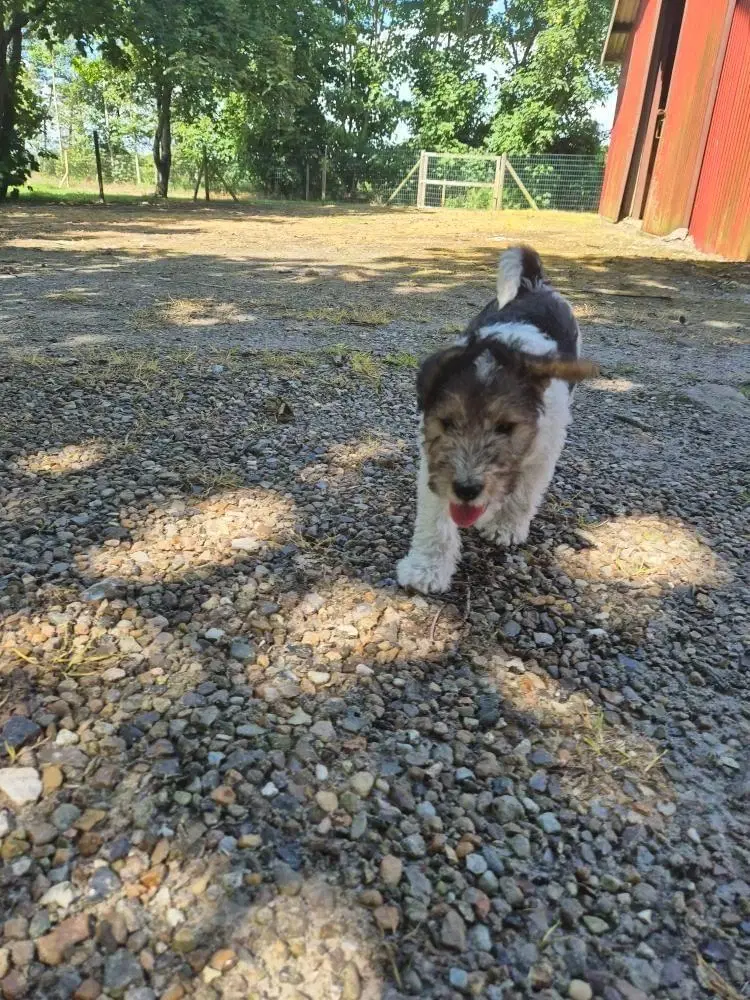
(481, 404)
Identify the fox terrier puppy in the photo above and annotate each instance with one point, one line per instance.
(494, 409)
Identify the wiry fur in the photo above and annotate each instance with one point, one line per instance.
(494, 412)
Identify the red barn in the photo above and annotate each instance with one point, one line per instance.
(679, 153)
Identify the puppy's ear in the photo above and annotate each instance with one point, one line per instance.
(433, 371)
(546, 369)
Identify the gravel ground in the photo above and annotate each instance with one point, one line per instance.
(237, 761)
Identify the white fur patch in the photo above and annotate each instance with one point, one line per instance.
(509, 274)
(525, 336)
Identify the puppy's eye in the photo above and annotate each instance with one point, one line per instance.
(505, 429)
(447, 424)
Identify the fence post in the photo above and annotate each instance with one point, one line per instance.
(497, 191)
(98, 157)
(307, 181)
(324, 175)
(205, 174)
(422, 179)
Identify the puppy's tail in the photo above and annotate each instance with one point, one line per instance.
(519, 267)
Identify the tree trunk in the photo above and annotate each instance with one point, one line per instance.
(163, 139)
(10, 62)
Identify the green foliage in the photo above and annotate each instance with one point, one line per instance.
(545, 100)
(449, 42)
(20, 111)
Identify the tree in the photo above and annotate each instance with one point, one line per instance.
(20, 112)
(183, 51)
(554, 78)
(450, 40)
(361, 95)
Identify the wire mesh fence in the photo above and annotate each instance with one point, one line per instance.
(478, 181)
(395, 176)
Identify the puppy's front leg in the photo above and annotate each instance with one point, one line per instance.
(435, 545)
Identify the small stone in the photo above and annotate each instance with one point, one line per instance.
(103, 883)
(184, 941)
(299, 718)
(508, 809)
(318, 677)
(223, 960)
(323, 730)
(269, 790)
(242, 651)
(511, 629)
(214, 634)
(480, 937)
(388, 917)
(544, 639)
(89, 989)
(595, 924)
(65, 816)
(20, 786)
(224, 795)
(52, 779)
(105, 590)
(476, 864)
(453, 931)
(362, 783)
(120, 971)
(458, 978)
(18, 731)
(415, 845)
(351, 985)
(579, 990)
(61, 896)
(53, 948)
(328, 801)
(549, 823)
(511, 891)
(391, 870)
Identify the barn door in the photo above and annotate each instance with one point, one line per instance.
(631, 97)
(720, 222)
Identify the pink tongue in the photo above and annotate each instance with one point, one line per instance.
(465, 514)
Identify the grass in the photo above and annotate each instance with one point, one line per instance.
(402, 359)
(69, 657)
(73, 296)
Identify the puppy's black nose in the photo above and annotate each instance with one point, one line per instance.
(467, 491)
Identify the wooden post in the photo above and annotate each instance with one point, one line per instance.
(198, 183)
(422, 179)
(205, 174)
(307, 181)
(501, 185)
(521, 185)
(98, 156)
(324, 175)
(404, 181)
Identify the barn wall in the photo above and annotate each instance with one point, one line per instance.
(693, 87)
(634, 76)
(720, 221)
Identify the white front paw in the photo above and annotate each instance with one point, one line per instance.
(505, 533)
(430, 576)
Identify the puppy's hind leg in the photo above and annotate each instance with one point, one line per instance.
(435, 545)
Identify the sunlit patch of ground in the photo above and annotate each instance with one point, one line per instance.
(596, 760)
(612, 385)
(355, 454)
(184, 536)
(643, 550)
(61, 461)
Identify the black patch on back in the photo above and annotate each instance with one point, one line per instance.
(540, 307)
